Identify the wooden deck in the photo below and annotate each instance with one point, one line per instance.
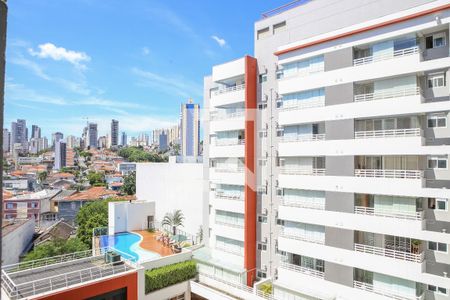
(150, 243)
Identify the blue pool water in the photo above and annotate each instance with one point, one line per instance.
(128, 243)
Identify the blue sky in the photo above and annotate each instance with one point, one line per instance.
(134, 60)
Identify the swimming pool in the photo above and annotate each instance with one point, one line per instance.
(128, 243)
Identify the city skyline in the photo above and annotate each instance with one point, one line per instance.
(133, 82)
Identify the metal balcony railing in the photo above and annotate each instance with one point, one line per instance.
(376, 58)
(299, 171)
(370, 211)
(230, 89)
(381, 173)
(301, 104)
(303, 138)
(418, 258)
(389, 94)
(228, 142)
(229, 197)
(229, 224)
(388, 133)
(303, 270)
(390, 294)
(302, 204)
(215, 116)
(302, 238)
(229, 169)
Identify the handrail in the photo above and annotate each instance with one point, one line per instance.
(382, 173)
(223, 115)
(401, 255)
(388, 94)
(303, 138)
(299, 171)
(303, 270)
(376, 58)
(233, 225)
(230, 89)
(226, 249)
(301, 238)
(302, 204)
(302, 104)
(229, 283)
(283, 8)
(229, 170)
(362, 210)
(229, 197)
(390, 294)
(228, 142)
(388, 133)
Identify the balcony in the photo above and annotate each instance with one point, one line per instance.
(389, 94)
(382, 173)
(230, 89)
(384, 292)
(301, 104)
(370, 211)
(391, 133)
(395, 54)
(228, 142)
(219, 195)
(229, 169)
(221, 115)
(302, 204)
(303, 138)
(402, 255)
(229, 224)
(300, 171)
(299, 237)
(302, 270)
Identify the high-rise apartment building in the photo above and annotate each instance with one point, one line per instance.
(56, 137)
(91, 135)
(102, 142)
(3, 21)
(190, 128)
(327, 153)
(123, 139)
(38, 144)
(60, 155)
(163, 144)
(35, 131)
(6, 140)
(19, 133)
(114, 133)
(72, 141)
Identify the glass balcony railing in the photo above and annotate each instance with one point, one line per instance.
(230, 89)
(302, 203)
(302, 270)
(299, 237)
(229, 142)
(382, 173)
(388, 94)
(300, 171)
(376, 58)
(388, 133)
(222, 115)
(300, 104)
(220, 195)
(229, 169)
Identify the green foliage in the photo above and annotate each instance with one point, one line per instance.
(129, 184)
(42, 176)
(96, 178)
(169, 275)
(266, 288)
(56, 247)
(137, 154)
(174, 220)
(85, 154)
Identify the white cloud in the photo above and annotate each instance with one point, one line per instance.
(49, 50)
(30, 65)
(221, 42)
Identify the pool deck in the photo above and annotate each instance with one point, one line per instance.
(150, 243)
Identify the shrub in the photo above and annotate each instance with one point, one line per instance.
(169, 275)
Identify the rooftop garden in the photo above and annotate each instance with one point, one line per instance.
(160, 278)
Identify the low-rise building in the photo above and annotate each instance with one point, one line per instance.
(17, 237)
(126, 168)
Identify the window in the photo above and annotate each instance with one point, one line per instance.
(440, 247)
(262, 106)
(437, 121)
(262, 78)
(262, 219)
(33, 204)
(436, 80)
(9, 205)
(279, 27)
(262, 33)
(437, 163)
(261, 274)
(436, 40)
(438, 203)
(437, 289)
(280, 222)
(262, 246)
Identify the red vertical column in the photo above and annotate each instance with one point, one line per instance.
(250, 169)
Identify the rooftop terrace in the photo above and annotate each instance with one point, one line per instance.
(27, 279)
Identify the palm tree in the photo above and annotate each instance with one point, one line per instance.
(173, 220)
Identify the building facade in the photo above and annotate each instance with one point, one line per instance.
(335, 184)
(6, 140)
(19, 134)
(190, 129)
(56, 137)
(35, 131)
(60, 155)
(114, 133)
(123, 139)
(92, 135)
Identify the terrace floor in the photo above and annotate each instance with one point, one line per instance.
(150, 243)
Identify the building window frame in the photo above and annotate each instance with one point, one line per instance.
(261, 274)
(437, 289)
(436, 80)
(436, 40)
(434, 120)
(262, 219)
(261, 246)
(435, 246)
(437, 163)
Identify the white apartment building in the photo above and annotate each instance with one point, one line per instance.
(326, 155)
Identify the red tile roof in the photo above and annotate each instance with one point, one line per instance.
(94, 193)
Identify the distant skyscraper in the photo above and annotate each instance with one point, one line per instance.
(19, 133)
(163, 141)
(102, 142)
(72, 141)
(60, 155)
(35, 131)
(6, 140)
(123, 140)
(190, 128)
(114, 133)
(84, 138)
(56, 137)
(92, 135)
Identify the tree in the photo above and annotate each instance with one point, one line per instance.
(96, 179)
(42, 176)
(174, 220)
(90, 216)
(56, 247)
(129, 184)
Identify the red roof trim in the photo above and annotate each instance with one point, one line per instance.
(364, 29)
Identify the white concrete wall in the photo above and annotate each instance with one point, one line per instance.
(173, 186)
(128, 216)
(14, 243)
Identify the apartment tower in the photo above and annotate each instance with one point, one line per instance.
(114, 133)
(327, 164)
(190, 128)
